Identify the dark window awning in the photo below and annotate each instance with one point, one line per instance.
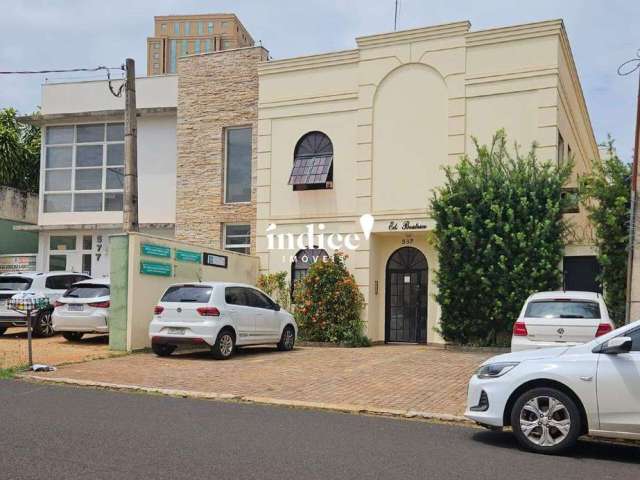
(311, 170)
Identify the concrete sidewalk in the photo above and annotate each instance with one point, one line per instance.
(408, 380)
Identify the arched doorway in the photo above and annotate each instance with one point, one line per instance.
(406, 297)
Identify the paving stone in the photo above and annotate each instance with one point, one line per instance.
(405, 378)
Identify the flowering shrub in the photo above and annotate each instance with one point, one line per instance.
(329, 304)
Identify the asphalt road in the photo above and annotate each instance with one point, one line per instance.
(65, 432)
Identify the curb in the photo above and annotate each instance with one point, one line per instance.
(345, 408)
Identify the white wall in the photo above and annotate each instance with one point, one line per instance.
(93, 96)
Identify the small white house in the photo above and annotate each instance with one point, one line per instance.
(82, 169)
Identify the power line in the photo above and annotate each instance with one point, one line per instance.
(116, 92)
(32, 72)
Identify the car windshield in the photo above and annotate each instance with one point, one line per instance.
(563, 309)
(15, 283)
(87, 291)
(188, 293)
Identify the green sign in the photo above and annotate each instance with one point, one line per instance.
(155, 250)
(187, 256)
(150, 268)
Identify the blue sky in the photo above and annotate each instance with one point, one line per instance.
(38, 34)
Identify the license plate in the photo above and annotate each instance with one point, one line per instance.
(176, 331)
(75, 308)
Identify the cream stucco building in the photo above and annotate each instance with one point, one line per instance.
(367, 131)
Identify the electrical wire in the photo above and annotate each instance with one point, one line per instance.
(630, 66)
(116, 92)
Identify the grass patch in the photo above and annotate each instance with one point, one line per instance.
(11, 372)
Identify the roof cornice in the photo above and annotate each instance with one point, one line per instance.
(425, 33)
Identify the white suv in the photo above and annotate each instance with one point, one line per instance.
(51, 285)
(221, 316)
(557, 319)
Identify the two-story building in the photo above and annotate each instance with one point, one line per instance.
(82, 168)
(368, 130)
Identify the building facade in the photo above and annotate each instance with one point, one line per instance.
(178, 35)
(217, 148)
(82, 168)
(367, 132)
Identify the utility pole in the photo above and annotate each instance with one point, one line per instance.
(633, 274)
(130, 195)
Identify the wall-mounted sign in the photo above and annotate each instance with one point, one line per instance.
(151, 250)
(151, 268)
(397, 225)
(17, 263)
(188, 256)
(214, 260)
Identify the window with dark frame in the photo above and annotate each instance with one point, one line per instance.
(560, 150)
(312, 163)
(238, 164)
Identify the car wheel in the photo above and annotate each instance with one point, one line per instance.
(225, 345)
(2, 330)
(546, 420)
(73, 336)
(162, 349)
(287, 340)
(43, 325)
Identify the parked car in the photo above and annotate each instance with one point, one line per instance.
(552, 396)
(50, 285)
(84, 308)
(551, 319)
(221, 316)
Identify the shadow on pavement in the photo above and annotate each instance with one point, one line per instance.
(586, 448)
(242, 353)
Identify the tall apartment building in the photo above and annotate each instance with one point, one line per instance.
(179, 35)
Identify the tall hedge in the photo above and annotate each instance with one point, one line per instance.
(606, 193)
(499, 234)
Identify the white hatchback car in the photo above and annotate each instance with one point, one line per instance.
(552, 396)
(221, 316)
(552, 319)
(84, 308)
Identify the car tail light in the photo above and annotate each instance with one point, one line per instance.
(520, 329)
(208, 311)
(603, 329)
(106, 304)
(57, 304)
(157, 310)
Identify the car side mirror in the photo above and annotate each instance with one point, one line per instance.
(617, 345)
(276, 307)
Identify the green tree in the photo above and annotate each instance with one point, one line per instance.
(499, 235)
(606, 192)
(329, 304)
(19, 153)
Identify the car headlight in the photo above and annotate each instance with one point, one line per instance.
(495, 370)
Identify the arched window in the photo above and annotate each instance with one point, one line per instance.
(303, 260)
(312, 163)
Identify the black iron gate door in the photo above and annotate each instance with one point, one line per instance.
(406, 297)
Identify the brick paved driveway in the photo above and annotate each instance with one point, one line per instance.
(52, 351)
(407, 377)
